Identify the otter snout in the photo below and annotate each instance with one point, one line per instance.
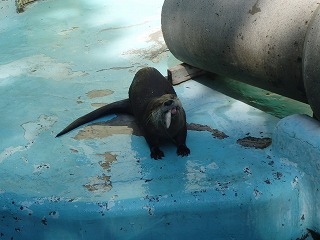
(171, 108)
(166, 111)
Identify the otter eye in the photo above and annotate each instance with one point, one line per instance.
(168, 103)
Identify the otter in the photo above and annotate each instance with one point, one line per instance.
(156, 108)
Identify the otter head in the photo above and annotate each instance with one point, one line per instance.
(166, 109)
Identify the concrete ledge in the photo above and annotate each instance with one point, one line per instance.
(298, 137)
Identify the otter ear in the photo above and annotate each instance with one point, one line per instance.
(168, 119)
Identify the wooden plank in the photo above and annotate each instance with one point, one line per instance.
(183, 72)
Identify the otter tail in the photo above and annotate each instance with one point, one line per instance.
(122, 106)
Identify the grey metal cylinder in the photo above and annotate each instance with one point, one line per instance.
(311, 63)
(260, 42)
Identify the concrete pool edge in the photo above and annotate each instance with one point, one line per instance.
(296, 139)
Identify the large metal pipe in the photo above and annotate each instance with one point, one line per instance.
(260, 42)
(311, 63)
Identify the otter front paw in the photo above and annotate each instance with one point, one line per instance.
(183, 150)
(156, 153)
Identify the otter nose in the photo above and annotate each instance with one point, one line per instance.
(168, 103)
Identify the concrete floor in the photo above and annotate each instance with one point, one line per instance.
(61, 59)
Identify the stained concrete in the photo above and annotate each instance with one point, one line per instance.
(59, 60)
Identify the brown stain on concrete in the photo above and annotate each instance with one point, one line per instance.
(99, 183)
(98, 105)
(108, 160)
(99, 93)
(156, 51)
(199, 127)
(253, 142)
(100, 131)
(102, 183)
(121, 124)
(156, 37)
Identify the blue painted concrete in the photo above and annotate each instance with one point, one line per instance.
(55, 60)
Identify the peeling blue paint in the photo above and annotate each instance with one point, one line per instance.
(54, 55)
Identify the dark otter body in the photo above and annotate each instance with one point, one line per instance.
(156, 108)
